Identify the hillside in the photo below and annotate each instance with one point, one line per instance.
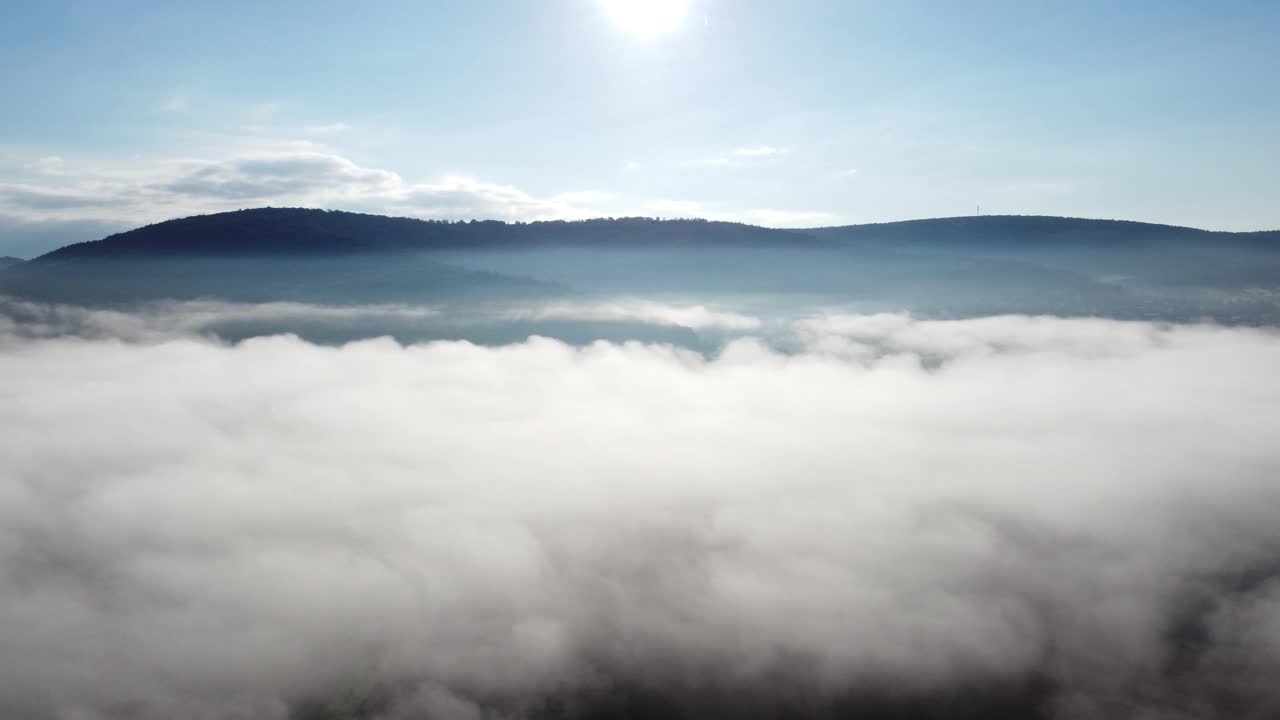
(7, 261)
(1038, 231)
(299, 231)
(945, 266)
(292, 232)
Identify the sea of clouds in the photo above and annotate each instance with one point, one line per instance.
(999, 517)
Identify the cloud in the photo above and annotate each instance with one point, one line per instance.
(38, 198)
(326, 129)
(757, 216)
(758, 151)
(746, 156)
(682, 208)
(785, 218)
(635, 310)
(308, 175)
(285, 175)
(999, 335)
(1016, 517)
(49, 165)
(290, 175)
(464, 197)
(167, 320)
(177, 102)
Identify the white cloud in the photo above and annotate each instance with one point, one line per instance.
(758, 151)
(680, 208)
(768, 217)
(166, 320)
(283, 175)
(177, 102)
(305, 173)
(583, 197)
(463, 197)
(49, 165)
(326, 129)
(645, 311)
(265, 110)
(190, 529)
(785, 218)
(746, 156)
(290, 174)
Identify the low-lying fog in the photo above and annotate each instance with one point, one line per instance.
(821, 515)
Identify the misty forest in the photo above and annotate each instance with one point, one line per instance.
(639, 360)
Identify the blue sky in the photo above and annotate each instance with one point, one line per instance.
(805, 112)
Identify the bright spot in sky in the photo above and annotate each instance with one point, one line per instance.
(647, 18)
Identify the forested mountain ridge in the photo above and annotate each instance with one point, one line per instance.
(939, 267)
(301, 231)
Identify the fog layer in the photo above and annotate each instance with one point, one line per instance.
(1046, 517)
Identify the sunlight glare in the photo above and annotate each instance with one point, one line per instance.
(647, 18)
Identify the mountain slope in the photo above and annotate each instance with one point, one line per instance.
(1145, 253)
(948, 266)
(293, 232)
(298, 231)
(1039, 231)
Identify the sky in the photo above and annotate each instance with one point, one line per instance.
(787, 114)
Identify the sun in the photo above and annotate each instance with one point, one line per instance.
(647, 18)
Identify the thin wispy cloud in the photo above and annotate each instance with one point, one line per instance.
(307, 174)
(177, 102)
(326, 129)
(695, 317)
(304, 177)
(48, 165)
(758, 151)
(746, 156)
(768, 217)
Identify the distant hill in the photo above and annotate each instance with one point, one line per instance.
(1037, 232)
(292, 232)
(944, 266)
(299, 231)
(7, 261)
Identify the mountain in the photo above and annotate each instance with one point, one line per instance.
(1159, 255)
(1038, 231)
(342, 257)
(7, 261)
(294, 232)
(944, 266)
